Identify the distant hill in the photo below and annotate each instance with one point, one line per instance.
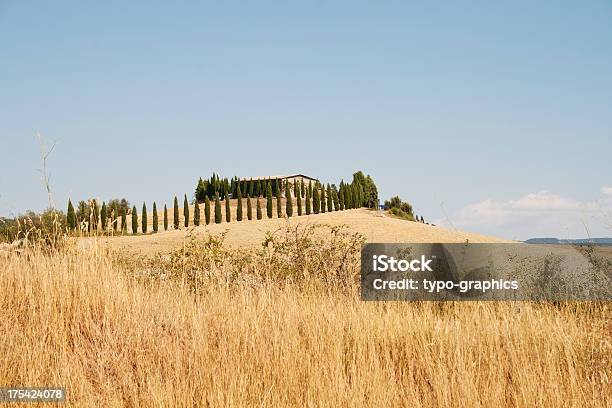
(596, 241)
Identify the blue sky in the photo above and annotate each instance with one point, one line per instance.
(494, 117)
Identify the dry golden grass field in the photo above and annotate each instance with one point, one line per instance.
(179, 319)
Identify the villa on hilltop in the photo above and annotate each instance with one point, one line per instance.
(291, 178)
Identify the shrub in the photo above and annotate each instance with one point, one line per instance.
(401, 214)
(393, 202)
(396, 203)
(47, 228)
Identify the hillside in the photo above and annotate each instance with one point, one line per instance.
(370, 224)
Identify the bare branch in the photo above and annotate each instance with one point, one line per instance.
(446, 216)
(44, 155)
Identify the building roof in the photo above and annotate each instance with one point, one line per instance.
(280, 177)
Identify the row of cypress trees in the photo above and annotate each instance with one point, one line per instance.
(318, 198)
(317, 204)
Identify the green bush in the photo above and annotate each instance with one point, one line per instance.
(396, 203)
(401, 214)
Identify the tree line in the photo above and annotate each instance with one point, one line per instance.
(252, 195)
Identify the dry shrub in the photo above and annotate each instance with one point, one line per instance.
(321, 255)
(208, 326)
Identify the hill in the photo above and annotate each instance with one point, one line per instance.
(371, 224)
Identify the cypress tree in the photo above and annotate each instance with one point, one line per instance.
(70, 216)
(302, 188)
(176, 213)
(308, 202)
(200, 190)
(249, 209)
(269, 201)
(347, 197)
(155, 220)
(239, 209)
(103, 217)
(296, 189)
(279, 210)
(341, 197)
(165, 217)
(288, 202)
(322, 198)
(330, 198)
(217, 210)
(335, 199)
(316, 203)
(228, 213)
(259, 214)
(207, 210)
(186, 211)
(81, 213)
(299, 203)
(134, 220)
(196, 214)
(144, 218)
(123, 220)
(95, 215)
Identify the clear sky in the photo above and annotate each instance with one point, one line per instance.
(494, 115)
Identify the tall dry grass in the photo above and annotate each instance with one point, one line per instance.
(206, 326)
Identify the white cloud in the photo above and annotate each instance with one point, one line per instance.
(541, 214)
(605, 190)
(544, 200)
